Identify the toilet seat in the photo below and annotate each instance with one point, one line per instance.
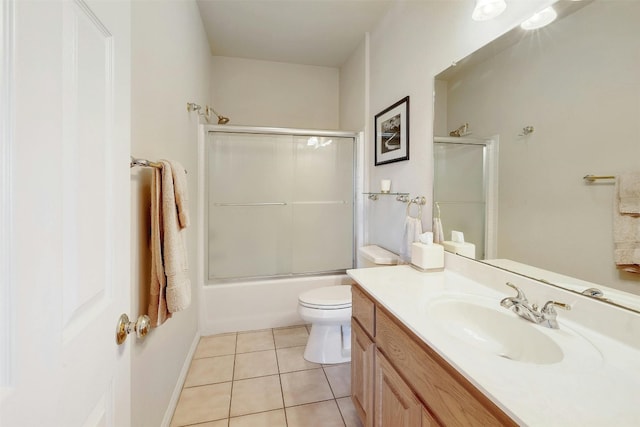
(327, 298)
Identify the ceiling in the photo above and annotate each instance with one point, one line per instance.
(311, 32)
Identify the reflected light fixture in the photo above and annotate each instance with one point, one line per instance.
(488, 9)
(540, 19)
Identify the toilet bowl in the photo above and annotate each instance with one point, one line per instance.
(328, 310)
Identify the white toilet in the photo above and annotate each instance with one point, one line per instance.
(328, 309)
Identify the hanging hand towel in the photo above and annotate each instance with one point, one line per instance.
(438, 233)
(626, 223)
(411, 233)
(170, 284)
(158, 312)
(629, 193)
(174, 251)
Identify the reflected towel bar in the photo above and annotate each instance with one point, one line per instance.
(594, 178)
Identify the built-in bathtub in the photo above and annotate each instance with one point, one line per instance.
(259, 304)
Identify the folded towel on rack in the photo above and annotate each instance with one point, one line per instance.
(626, 228)
(629, 192)
(411, 233)
(170, 284)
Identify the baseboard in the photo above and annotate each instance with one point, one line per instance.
(175, 396)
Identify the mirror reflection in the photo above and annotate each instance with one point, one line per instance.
(546, 107)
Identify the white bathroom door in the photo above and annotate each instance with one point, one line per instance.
(65, 213)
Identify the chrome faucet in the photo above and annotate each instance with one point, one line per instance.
(521, 306)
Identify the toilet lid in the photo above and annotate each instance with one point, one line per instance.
(327, 298)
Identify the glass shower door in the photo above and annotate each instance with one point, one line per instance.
(278, 205)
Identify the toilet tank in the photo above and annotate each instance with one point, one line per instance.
(375, 256)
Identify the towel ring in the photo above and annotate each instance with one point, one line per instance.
(419, 209)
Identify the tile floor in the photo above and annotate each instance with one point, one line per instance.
(260, 379)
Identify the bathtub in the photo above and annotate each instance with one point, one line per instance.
(252, 305)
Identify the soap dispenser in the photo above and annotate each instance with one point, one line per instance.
(426, 255)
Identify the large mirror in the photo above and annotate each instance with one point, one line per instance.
(556, 104)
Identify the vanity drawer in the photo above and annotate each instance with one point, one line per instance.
(448, 395)
(363, 310)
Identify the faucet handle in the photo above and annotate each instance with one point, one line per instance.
(549, 306)
(521, 294)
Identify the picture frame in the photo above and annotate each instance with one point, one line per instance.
(391, 133)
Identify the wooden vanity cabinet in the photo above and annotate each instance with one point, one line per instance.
(395, 404)
(397, 380)
(362, 356)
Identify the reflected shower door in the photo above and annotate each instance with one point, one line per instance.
(459, 190)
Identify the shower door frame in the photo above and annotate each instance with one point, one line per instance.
(203, 247)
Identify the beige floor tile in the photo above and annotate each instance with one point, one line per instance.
(339, 377)
(263, 419)
(321, 414)
(348, 411)
(256, 395)
(291, 359)
(202, 404)
(290, 337)
(255, 364)
(216, 345)
(210, 370)
(255, 341)
(219, 423)
(303, 387)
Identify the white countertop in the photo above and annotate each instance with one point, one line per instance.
(596, 384)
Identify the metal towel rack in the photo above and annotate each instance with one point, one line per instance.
(594, 178)
(145, 163)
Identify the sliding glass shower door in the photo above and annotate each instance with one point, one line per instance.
(279, 204)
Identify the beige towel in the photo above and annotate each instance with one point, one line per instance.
(180, 190)
(170, 285)
(626, 224)
(158, 312)
(629, 192)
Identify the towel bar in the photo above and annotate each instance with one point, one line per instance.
(594, 178)
(145, 163)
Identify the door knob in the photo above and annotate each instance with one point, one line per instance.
(142, 327)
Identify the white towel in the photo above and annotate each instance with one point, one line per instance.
(170, 285)
(411, 233)
(626, 225)
(438, 233)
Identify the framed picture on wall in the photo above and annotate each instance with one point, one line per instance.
(391, 134)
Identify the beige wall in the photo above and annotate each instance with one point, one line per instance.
(579, 88)
(413, 43)
(353, 87)
(275, 94)
(170, 67)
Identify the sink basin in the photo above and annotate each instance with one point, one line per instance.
(495, 330)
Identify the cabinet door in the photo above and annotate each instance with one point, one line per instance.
(362, 354)
(395, 403)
